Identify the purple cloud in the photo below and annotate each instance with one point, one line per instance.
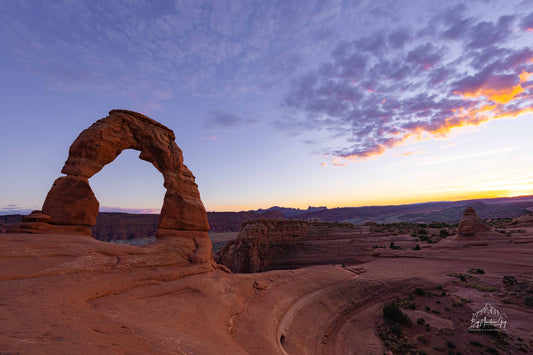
(390, 87)
(526, 23)
(222, 120)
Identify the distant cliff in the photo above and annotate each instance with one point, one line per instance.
(266, 244)
(116, 226)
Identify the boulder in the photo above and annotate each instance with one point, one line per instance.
(71, 201)
(36, 216)
(471, 224)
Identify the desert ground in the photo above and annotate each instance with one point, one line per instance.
(73, 294)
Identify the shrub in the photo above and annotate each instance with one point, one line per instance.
(450, 344)
(422, 231)
(392, 246)
(508, 280)
(443, 233)
(417, 247)
(392, 312)
(528, 301)
(420, 291)
(476, 271)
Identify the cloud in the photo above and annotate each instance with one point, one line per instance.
(526, 23)
(390, 88)
(224, 120)
(151, 51)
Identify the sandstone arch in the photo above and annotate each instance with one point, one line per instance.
(71, 202)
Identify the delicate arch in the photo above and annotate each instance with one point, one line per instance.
(71, 201)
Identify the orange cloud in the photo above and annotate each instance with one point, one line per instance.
(498, 95)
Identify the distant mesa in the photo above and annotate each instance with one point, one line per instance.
(471, 224)
(71, 206)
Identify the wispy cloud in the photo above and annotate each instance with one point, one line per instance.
(224, 120)
(151, 50)
(468, 156)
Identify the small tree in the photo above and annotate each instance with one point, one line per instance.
(392, 312)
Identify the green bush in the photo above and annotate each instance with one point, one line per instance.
(450, 344)
(417, 247)
(508, 280)
(392, 312)
(476, 271)
(528, 301)
(392, 246)
(420, 291)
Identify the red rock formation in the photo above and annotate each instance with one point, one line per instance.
(266, 244)
(71, 204)
(471, 224)
(523, 221)
(71, 201)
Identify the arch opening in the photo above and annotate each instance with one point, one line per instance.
(130, 197)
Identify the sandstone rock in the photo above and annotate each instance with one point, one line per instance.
(471, 224)
(46, 228)
(523, 221)
(71, 204)
(36, 216)
(71, 201)
(266, 244)
(104, 140)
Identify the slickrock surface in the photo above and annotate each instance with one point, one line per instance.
(72, 294)
(471, 224)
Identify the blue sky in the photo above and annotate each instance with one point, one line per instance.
(294, 103)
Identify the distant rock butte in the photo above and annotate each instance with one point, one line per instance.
(263, 243)
(71, 207)
(523, 221)
(471, 224)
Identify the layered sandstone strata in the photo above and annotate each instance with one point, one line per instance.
(265, 244)
(471, 224)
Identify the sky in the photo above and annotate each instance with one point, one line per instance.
(287, 103)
